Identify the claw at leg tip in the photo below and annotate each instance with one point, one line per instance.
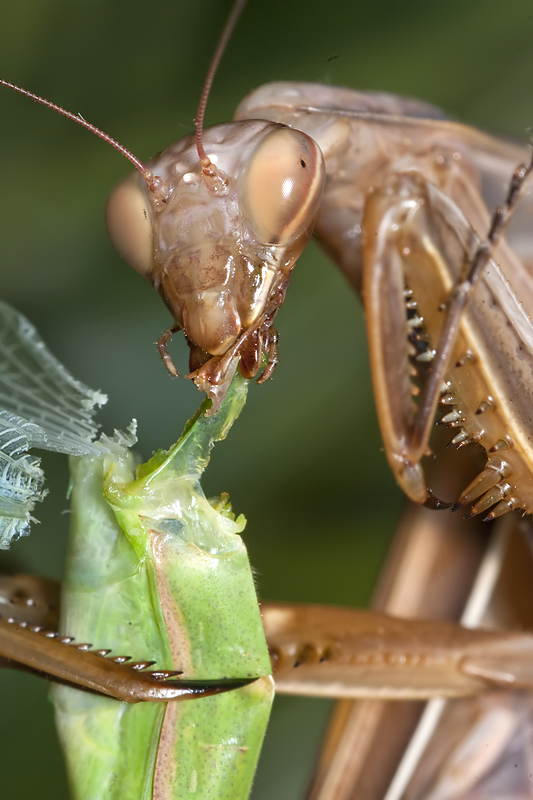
(433, 502)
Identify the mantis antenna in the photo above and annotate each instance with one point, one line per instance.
(225, 36)
(156, 185)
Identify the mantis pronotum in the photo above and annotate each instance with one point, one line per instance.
(392, 44)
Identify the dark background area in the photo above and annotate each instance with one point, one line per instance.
(304, 463)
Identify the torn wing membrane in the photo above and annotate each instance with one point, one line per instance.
(37, 387)
(43, 406)
(21, 478)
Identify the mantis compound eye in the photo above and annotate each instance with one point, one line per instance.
(129, 223)
(283, 185)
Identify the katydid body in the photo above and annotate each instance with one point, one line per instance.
(147, 551)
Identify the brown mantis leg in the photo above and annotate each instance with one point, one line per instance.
(416, 236)
(163, 352)
(449, 755)
(431, 553)
(461, 295)
(38, 649)
(367, 739)
(323, 651)
(337, 652)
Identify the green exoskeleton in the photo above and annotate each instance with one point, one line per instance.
(409, 175)
(153, 566)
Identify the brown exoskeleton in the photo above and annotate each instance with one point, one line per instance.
(225, 282)
(481, 230)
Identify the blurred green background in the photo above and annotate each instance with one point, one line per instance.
(304, 462)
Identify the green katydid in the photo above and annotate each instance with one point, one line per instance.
(152, 566)
(187, 599)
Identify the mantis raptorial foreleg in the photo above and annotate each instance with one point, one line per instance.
(412, 230)
(399, 219)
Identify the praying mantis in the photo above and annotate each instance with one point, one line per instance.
(283, 584)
